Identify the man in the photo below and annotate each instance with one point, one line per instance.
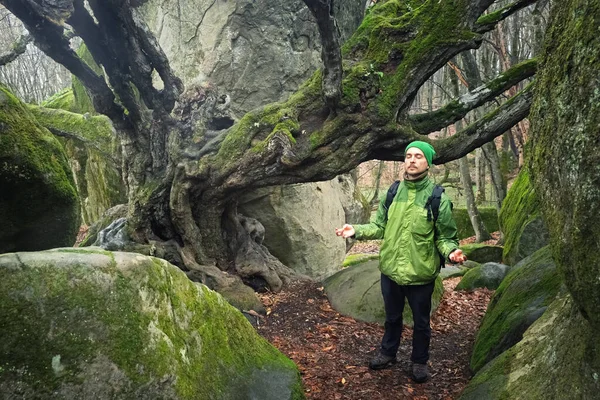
(408, 259)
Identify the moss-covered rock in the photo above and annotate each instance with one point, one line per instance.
(558, 358)
(488, 275)
(482, 253)
(356, 292)
(521, 222)
(520, 300)
(94, 154)
(63, 100)
(489, 215)
(102, 325)
(38, 200)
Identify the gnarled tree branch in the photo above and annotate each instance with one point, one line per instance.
(330, 50)
(486, 129)
(487, 22)
(457, 109)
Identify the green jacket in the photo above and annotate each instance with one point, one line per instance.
(408, 254)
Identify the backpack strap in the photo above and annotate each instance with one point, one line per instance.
(433, 211)
(389, 197)
(433, 203)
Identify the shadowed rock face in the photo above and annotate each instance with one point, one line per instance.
(256, 51)
(38, 200)
(93, 324)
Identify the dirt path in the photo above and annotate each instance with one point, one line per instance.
(332, 351)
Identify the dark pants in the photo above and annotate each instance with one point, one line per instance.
(419, 299)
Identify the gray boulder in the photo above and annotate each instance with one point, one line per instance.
(482, 253)
(258, 51)
(521, 299)
(299, 222)
(488, 275)
(93, 324)
(39, 206)
(356, 292)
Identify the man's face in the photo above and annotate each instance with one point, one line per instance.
(415, 162)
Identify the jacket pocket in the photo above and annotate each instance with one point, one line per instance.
(420, 225)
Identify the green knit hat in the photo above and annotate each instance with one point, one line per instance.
(425, 147)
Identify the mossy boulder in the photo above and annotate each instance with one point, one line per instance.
(482, 253)
(521, 222)
(39, 206)
(94, 157)
(558, 358)
(520, 300)
(92, 324)
(489, 216)
(63, 100)
(488, 275)
(356, 292)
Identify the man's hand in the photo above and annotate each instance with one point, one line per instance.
(345, 231)
(457, 256)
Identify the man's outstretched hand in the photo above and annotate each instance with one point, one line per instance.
(345, 231)
(457, 256)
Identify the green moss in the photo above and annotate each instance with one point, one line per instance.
(93, 149)
(63, 100)
(83, 103)
(527, 289)
(353, 259)
(520, 207)
(98, 129)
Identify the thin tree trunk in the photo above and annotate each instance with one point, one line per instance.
(375, 198)
(480, 165)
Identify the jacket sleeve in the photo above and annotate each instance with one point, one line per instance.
(376, 228)
(446, 233)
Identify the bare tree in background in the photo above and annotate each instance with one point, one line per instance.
(24, 68)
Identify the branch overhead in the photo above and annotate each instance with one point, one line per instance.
(457, 109)
(487, 22)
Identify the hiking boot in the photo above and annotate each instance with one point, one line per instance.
(420, 373)
(382, 361)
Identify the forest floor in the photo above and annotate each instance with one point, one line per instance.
(332, 351)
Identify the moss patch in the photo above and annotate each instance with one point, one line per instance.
(521, 298)
(519, 209)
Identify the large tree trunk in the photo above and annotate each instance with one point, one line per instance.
(183, 180)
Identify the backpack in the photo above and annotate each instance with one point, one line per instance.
(432, 205)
